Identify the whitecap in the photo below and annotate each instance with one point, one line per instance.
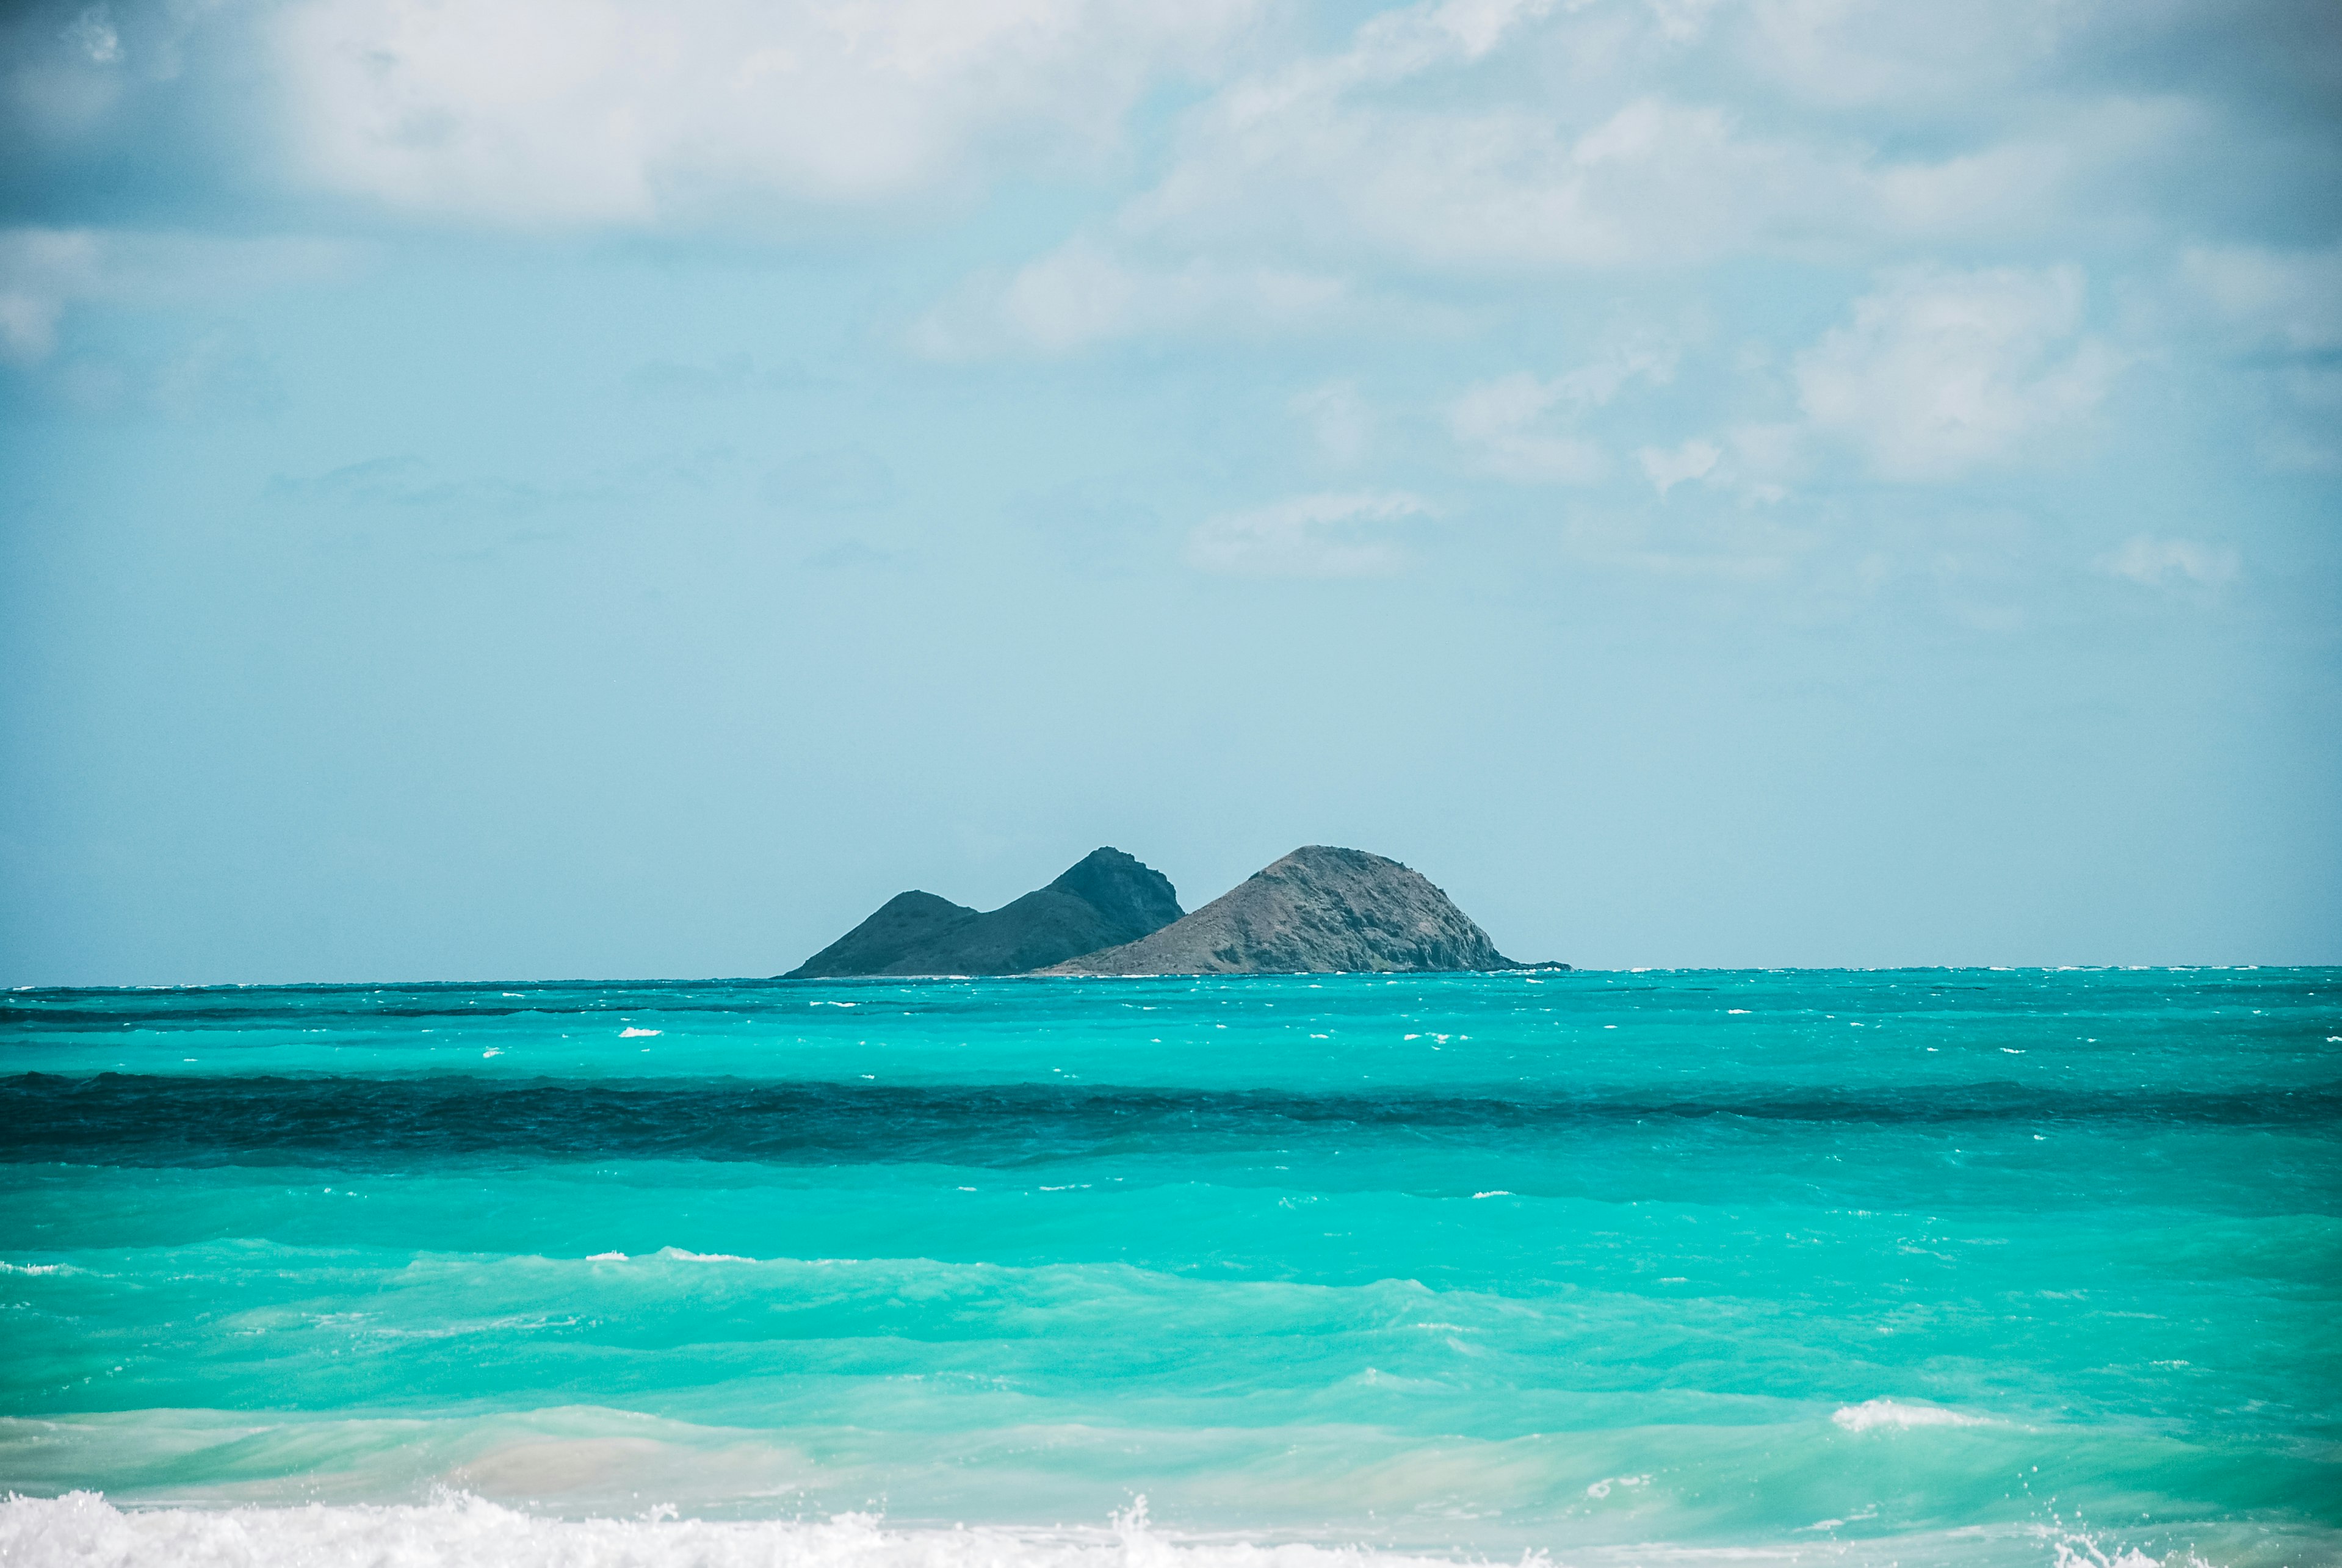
(465, 1532)
(2077, 1549)
(638, 1034)
(1877, 1412)
(1602, 1487)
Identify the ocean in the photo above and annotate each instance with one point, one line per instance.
(1940, 1266)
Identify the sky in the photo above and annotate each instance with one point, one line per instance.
(598, 488)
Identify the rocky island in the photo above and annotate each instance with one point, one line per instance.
(1319, 910)
(1104, 899)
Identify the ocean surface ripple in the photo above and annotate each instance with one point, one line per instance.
(1927, 1266)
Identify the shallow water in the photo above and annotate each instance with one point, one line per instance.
(1925, 1266)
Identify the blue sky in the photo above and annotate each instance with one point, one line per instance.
(610, 487)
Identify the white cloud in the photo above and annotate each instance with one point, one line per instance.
(1754, 462)
(1667, 469)
(1862, 53)
(2280, 313)
(1765, 458)
(2289, 300)
(1330, 535)
(1939, 373)
(1446, 134)
(93, 34)
(1083, 295)
(43, 272)
(1506, 187)
(1477, 139)
(1737, 546)
(2086, 170)
(1338, 419)
(1602, 379)
(1523, 428)
(40, 269)
(558, 111)
(1505, 424)
(1527, 138)
(2305, 436)
(2165, 563)
(219, 373)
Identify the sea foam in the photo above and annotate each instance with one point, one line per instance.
(82, 1529)
(1877, 1412)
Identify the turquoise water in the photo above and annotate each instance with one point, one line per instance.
(1935, 1265)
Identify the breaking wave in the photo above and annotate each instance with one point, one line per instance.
(82, 1529)
(1877, 1412)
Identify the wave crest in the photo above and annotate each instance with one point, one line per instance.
(465, 1532)
(1877, 1412)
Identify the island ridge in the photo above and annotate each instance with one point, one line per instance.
(1318, 909)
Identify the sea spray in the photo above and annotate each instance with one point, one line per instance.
(458, 1531)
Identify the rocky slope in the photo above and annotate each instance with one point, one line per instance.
(1318, 909)
(1106, 898)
